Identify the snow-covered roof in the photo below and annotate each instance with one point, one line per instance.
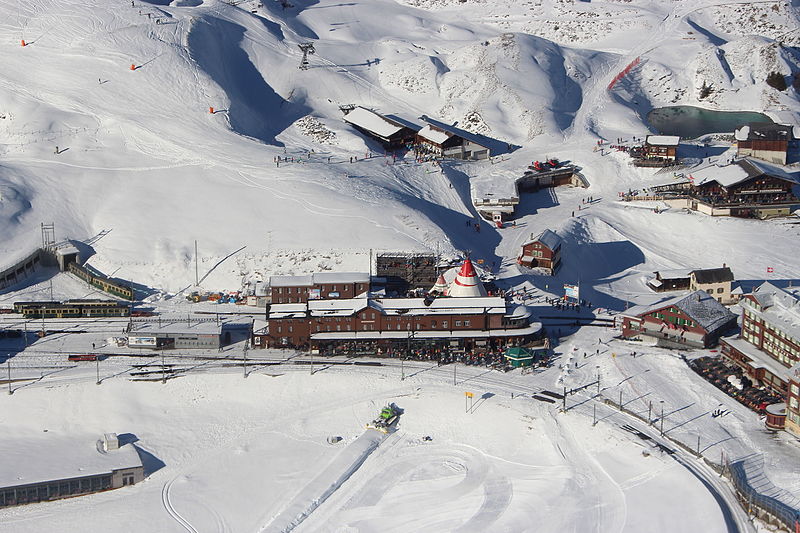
(758, 359)
(531, 329)
(548, 238)
(699, 306)
(340, 277)
(433, 134)
(67, 250)
(337, 307)
(726, 175)
(295, 310)
(713, 275)
(675, 273)
(40, 457)
(318, 278)
(291, 281)
(371, 121)
(441, 306)
(778, 307)
(154, 327)
(766, 131)
(662, 140)
(738, 172)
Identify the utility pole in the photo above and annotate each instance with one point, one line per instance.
(196, 267)
(246, 344)
(594, 414)
(408, 354)
(51, 290)
(564, 400)
(698, 444)
(620, 399)
(97, 361)
(598, 378)
(311, 355)
(649, 410)
(662, 418)
(163, 368)
(8, 362)
(454, 373)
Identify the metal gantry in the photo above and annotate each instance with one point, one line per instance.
(308, 49)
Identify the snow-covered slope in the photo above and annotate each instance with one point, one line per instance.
(141, 158)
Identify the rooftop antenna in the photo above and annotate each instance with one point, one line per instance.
(346, 108)
(307, 48)
(48, 235)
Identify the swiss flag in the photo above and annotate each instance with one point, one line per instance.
(770, 270)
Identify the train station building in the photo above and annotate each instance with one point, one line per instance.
(49, 466)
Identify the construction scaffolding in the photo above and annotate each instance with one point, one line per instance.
(407, 270)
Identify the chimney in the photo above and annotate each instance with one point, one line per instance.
(110, 441)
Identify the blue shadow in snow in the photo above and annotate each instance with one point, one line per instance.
(255, 110)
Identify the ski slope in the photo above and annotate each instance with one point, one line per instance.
(132, 163)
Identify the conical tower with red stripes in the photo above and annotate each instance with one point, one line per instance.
(467, 284)
(440, 286)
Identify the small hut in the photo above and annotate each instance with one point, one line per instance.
(519, 357)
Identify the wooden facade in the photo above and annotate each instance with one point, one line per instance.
(679, 321)
(543, 251)
(660, 147)
(766, 141)
(366, 320)
(325, 285)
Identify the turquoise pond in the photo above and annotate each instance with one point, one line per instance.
(690, 122)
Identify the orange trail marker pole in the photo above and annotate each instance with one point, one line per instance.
(133, 67)
(23, 43)
(211, 110)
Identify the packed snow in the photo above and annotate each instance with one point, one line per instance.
(141, 128)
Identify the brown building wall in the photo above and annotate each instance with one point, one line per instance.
(774, 146)
(328, 291)
(657, 322)
(529, 248)
(286, 332)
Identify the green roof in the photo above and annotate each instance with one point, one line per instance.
(518, 353)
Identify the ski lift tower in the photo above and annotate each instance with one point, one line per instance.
(307, 48)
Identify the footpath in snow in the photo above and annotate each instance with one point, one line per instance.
(326, 483)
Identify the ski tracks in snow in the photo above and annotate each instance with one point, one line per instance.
(167, 502)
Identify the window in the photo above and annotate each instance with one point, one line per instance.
(458, 323)
(444, 324)
(466, 323)
(710, 291)
(433, 324)
(720, 290)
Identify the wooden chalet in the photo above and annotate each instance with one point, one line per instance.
(440, 141)
(543, 251)
(670, 280)
(764, 140)
(746, 188)
(390, 133)
(661, 147)
(697, 320)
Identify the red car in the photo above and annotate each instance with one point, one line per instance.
(83, 357)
